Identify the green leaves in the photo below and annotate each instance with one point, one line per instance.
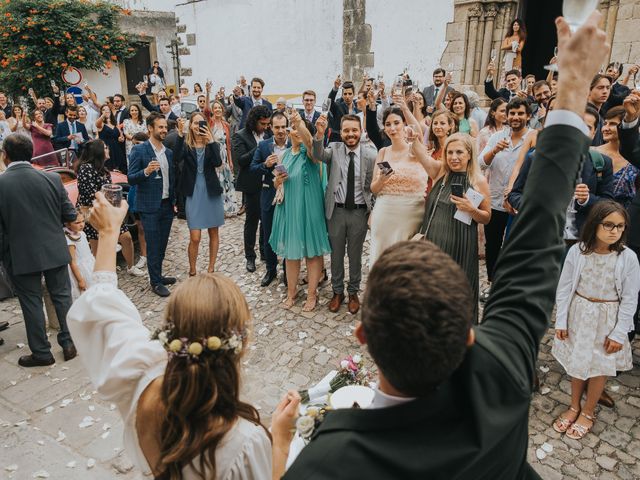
(39, 38)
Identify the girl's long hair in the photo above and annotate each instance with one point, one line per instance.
(522, 33)
(191, 138)
(201, 397)
(491, 119)
(93, 154)
(473, 170)
(597, 214)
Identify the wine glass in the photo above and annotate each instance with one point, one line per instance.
(553, 67)
(112, 193)
(397, 85)
(576, 12)
(636, 80)
(158, 176)
(326, 107)
(494, 54)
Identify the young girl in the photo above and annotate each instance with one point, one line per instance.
(82, 261)
(596, 301)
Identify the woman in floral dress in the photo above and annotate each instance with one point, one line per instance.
(221, 134)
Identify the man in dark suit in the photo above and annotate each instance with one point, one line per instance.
(151, 169)
(453, 400)
(431, 92)
(342, 106)
(265, 158)
(246, 103)
(70, 134)
(618, 91)
(513, 79)
(243, 146)
(121, 112)
(163, 107)
(35, 205)
(309, 112)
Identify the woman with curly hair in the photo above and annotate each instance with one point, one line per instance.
(179, 395)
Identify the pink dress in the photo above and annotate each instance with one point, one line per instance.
(42, 146)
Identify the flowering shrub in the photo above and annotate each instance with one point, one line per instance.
(40, 38)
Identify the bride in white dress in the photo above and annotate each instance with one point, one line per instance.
(185, 384)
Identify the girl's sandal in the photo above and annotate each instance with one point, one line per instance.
(562, 423)
(577, 431)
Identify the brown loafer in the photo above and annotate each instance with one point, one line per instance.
(31, 361)
(606, 400)
(336, 301)
(354, 303)
(69, 352)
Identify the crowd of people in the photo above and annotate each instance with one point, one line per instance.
(400, 164)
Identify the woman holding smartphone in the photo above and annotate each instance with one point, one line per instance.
(198, 157)
(454, 176)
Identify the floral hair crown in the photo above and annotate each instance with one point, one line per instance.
(192, 349)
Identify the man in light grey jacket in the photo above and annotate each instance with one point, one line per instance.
(347, 201)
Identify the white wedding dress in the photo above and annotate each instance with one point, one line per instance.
(122, 361)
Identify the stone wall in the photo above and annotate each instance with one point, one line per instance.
(625, 46)
(356, 40)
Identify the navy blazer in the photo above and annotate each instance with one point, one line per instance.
(258, 168)
(246, 104)
(60, 139)
(149, 191)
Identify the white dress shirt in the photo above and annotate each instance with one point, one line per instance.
(161, 156)
(341, 191)
(384, 400)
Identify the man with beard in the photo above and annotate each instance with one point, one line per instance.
(431, 92)
(342, 106)
(347, 203)
(513, 78)
(541, 93)
(151, 169)
(499, 157)
(246, 103)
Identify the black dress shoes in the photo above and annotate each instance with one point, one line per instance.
(269, 277)
(251, 264)
(168, 280)
(160, 290)
(69, 352)
(31, 361)
(4, 326)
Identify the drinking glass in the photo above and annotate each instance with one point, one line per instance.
(576, 12)
(553, 67)
(113, 194)
(326, 107)
(145, 79)
(494, 54)
(636, 80)
(397, 86)
(158, 175)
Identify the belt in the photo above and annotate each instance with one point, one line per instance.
(597, 300)
(342, 205)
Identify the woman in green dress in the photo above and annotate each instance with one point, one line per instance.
(457, 239)
(299, 227)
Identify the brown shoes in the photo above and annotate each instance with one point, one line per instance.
(354, 303)
(69, 352)
(336, 301)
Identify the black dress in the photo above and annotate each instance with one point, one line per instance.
(117, 160)
(455, 238)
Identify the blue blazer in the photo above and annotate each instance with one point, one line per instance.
(149, 189)
(258, 168)
(246, 104)
(60, 139)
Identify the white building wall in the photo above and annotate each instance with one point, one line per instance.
(291, 44)
(409, 34)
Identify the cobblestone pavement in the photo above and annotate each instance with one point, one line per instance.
(51, 421)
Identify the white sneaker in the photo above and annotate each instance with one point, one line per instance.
(142, 262)
(136, 272)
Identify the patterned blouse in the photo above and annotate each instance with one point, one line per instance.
(624, 184)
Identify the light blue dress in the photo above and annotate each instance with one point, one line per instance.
(299, 226)
(203, 210)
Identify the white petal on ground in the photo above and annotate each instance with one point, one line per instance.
(66, 402)
(41, 474)
(86, 422)
(544, 369)
(61, 436)
(105, 434)
(48, 409)
(547, 447)
(91, 463)
(71, 464)
(20, 345)
(545, 390)
(40, 442)
(541, 454)
(11, 468)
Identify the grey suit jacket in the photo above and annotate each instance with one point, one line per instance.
(33, 207)
(334, 155)
(429, 94)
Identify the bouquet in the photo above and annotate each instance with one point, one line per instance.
(351, 372)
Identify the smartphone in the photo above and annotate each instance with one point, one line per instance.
(202, 125)
(457, 190)
(385, 167)
(280, 169)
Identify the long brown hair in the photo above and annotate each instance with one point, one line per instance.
(201, 397)
(452, 120)
(597, 214)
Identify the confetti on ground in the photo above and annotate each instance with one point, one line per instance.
(544, 369)
(105, 434)
(547, 447)
(91, 463)
(41, 474)
(87, 422)
(91, 408)
(614, 388)
(20, 345)
(545, 390)
(11, 468)
(48, 410)
(71, 464)
(302, 335)
(13, 383)
(112, 406)
(65, 402)
(61, 436)
(40, 442)
(541, 454)
(277, 323)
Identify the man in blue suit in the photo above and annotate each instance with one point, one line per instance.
(247, 103)
(151, 169)
(68, 132)
(265, 158)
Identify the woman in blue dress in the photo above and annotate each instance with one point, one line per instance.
(198, 157)
(299, 227)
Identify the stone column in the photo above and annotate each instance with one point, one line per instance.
(610, 22)
(356, 41)
(472, 39)
(490, 18)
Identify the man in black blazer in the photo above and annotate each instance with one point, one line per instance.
(453, 400)
(342, 106)
(121, 111)
(35, 205)
(513, 79)
(243, 145)
(66, 135)
(163, 106)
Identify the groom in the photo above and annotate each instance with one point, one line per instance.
(453, 399)
(347, 203)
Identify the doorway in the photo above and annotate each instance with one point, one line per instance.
(539, 17)
(137, 66)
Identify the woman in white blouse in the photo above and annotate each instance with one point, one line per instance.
(186, 384)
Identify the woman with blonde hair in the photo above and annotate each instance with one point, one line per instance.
(455, 175)
(198, 159)
(179, 396)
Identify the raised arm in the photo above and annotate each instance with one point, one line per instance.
(629, 133)
(305, 134)
(489, 89)
(522, 298)
(321, 154)
(439, 101)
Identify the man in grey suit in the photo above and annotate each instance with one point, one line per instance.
(347, 203)
(33, 207)
(431, 92)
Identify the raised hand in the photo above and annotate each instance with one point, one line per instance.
(337, 82)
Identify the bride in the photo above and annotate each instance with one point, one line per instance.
(178, 395)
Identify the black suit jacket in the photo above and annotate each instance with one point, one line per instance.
(186, 160)
(34, 206)
(475, 424)
(339, 108)
(123, 116)
(243, 146)
(155, 108)
(491, 92)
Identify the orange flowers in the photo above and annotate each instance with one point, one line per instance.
(114, 58)
(38, 64)
(68, 35)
